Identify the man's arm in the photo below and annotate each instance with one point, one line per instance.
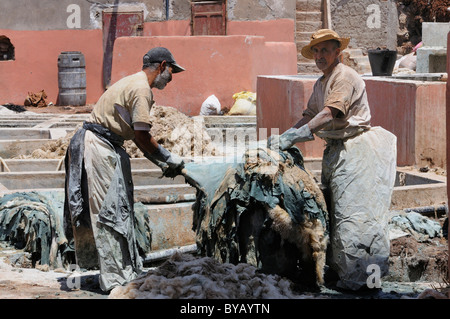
(145, 142)
(322, 118)
(303, 130)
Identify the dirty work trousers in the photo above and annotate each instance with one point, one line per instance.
(116, 252)
(98, 209)
(359, 174)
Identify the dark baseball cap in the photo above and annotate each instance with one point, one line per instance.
(159, 54)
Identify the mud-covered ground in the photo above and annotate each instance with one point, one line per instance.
(21, 281)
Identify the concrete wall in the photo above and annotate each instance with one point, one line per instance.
(413, 110)
(369, 23)
(214, 65)
(260, 9)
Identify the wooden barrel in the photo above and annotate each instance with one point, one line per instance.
(71, 78)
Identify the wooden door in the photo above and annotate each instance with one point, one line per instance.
(208, 18)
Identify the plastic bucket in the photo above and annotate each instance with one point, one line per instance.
(382, 61)
(71, 78)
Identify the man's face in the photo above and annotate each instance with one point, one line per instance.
(325, 53)
(163, 78)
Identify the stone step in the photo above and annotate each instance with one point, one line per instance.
(308, 5)
(56, 179)
(307, 68)
(308, 26)
(303, 36)
(302, 59)
(308, 16)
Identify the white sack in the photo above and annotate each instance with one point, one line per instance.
(211, 106)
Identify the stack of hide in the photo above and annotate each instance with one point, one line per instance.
(265, 210)
(33, 221)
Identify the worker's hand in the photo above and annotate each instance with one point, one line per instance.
(174, 166)
(290, 137)
(174, 161)
(171, 164)
(278, 143)
(273, 142)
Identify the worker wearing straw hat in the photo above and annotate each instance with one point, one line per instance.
(358, 166)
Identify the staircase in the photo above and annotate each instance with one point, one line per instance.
(309, 18)
(355, 59)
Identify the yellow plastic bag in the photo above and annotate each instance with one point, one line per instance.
(245, 103)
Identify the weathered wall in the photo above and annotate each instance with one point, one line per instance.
(46, 28)
(260, 9)
(414, 111)
(36, 52)
(60, 15)
(281, 101)
(369, 23)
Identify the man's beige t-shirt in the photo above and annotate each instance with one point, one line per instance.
(345, 90)
(125, 103)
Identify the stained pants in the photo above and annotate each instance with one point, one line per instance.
(359, 175)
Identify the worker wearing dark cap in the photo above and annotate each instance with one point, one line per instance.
(99, 187)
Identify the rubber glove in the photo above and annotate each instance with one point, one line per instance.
(171, 164)
(290, 137)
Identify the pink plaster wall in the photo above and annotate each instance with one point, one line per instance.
(280, 103)
(414, 112)
(35, 66)
(219, 65)
(167, 28)
(393, 106)
(280, 30)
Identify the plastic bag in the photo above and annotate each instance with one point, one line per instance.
(245, 104)
(211, 106)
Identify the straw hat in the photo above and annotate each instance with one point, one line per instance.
(321, 36)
